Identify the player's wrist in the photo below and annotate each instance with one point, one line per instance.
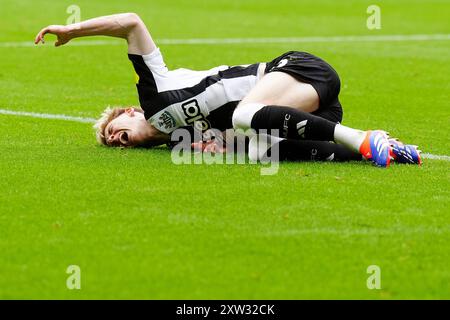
(72, 30)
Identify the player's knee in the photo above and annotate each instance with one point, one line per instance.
(243, 115)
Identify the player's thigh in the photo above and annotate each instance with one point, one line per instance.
(281, 89)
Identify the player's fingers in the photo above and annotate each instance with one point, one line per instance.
(211, 148)
(207, 148)
(197, 145)
(37, 38)
(40, 35)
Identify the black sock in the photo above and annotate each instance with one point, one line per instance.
(293, 124)
(307, 150)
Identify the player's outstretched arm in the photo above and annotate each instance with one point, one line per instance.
(128, 26)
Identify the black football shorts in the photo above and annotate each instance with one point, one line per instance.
(308, 68)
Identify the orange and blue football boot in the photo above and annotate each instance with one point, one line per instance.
(405, 153)
(376, 148)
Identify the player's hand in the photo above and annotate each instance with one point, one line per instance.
(210, 146)
(62, 32)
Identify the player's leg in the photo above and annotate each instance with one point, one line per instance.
(299, 150)
(306, 150)
(299, 80)
(282, 89)
(294, 120)
(280, 101)
(299, 125)
(278, 88)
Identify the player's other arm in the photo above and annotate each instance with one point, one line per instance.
(127, 26)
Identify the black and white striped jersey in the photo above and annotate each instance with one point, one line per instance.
(183, 97)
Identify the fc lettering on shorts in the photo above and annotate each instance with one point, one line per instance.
(287, 116)
(194, 116)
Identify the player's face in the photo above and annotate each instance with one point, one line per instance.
(127, 130)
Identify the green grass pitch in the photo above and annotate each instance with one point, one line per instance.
(141, 227)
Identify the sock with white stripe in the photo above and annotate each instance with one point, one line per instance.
(293, 123)
(300, 150)
(296, 124)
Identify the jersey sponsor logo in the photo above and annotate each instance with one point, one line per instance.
(194, 116)
(166, 120)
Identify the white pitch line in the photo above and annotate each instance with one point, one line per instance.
(218, 41)
(92, 120)
(416, 37)
(435, 156)
(46, 116)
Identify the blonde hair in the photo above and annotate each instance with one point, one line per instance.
(108, 115)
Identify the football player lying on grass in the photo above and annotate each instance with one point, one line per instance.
(296, 93)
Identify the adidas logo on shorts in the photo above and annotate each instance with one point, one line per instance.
(301, 126)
